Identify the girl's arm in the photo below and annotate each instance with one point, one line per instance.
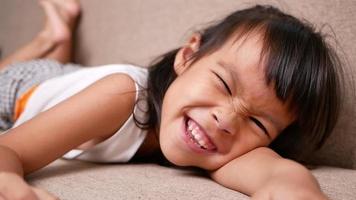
(96, 112)
(263, 174)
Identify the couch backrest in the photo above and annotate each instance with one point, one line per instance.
(136, 31)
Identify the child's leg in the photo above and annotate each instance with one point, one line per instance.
(36, 48)
(54, 41)
(64, 12)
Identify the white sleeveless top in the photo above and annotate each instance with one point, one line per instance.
(120, 147)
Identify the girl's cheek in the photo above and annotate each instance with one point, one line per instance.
(203, 88)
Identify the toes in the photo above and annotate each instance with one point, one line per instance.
(71, 7)
(56, 27)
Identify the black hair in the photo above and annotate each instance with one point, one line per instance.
(302, 67)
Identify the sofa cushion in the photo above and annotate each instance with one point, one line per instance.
(78, 180)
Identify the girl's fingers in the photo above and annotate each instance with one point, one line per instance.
(44, 195)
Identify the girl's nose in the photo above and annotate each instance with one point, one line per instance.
(226, 120)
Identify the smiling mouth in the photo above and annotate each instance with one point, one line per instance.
(198, 136)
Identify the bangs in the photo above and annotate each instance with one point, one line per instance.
(303, 71)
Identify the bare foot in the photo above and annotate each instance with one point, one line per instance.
(69, 10)
(56, 30)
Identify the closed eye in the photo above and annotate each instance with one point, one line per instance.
(225, 84)
(260, 125)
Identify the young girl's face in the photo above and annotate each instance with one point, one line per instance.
(220, 107)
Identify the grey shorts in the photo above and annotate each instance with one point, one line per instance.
(17, 78)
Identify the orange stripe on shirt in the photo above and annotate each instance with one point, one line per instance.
(21, 102)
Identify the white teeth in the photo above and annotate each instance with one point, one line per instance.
(198, 137)
(191, 126)
(202, 143)
(195, 133)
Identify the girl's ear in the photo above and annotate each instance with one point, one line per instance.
(182, 60)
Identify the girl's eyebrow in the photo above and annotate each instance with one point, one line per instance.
(229, 68)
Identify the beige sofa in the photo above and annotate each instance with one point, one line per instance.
(135, 31)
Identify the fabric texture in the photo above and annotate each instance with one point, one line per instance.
(17, 78)
(120, 147)
(83, 181)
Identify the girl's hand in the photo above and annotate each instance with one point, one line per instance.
(13, 187)
(279, 190)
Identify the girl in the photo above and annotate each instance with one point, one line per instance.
(258, 82)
